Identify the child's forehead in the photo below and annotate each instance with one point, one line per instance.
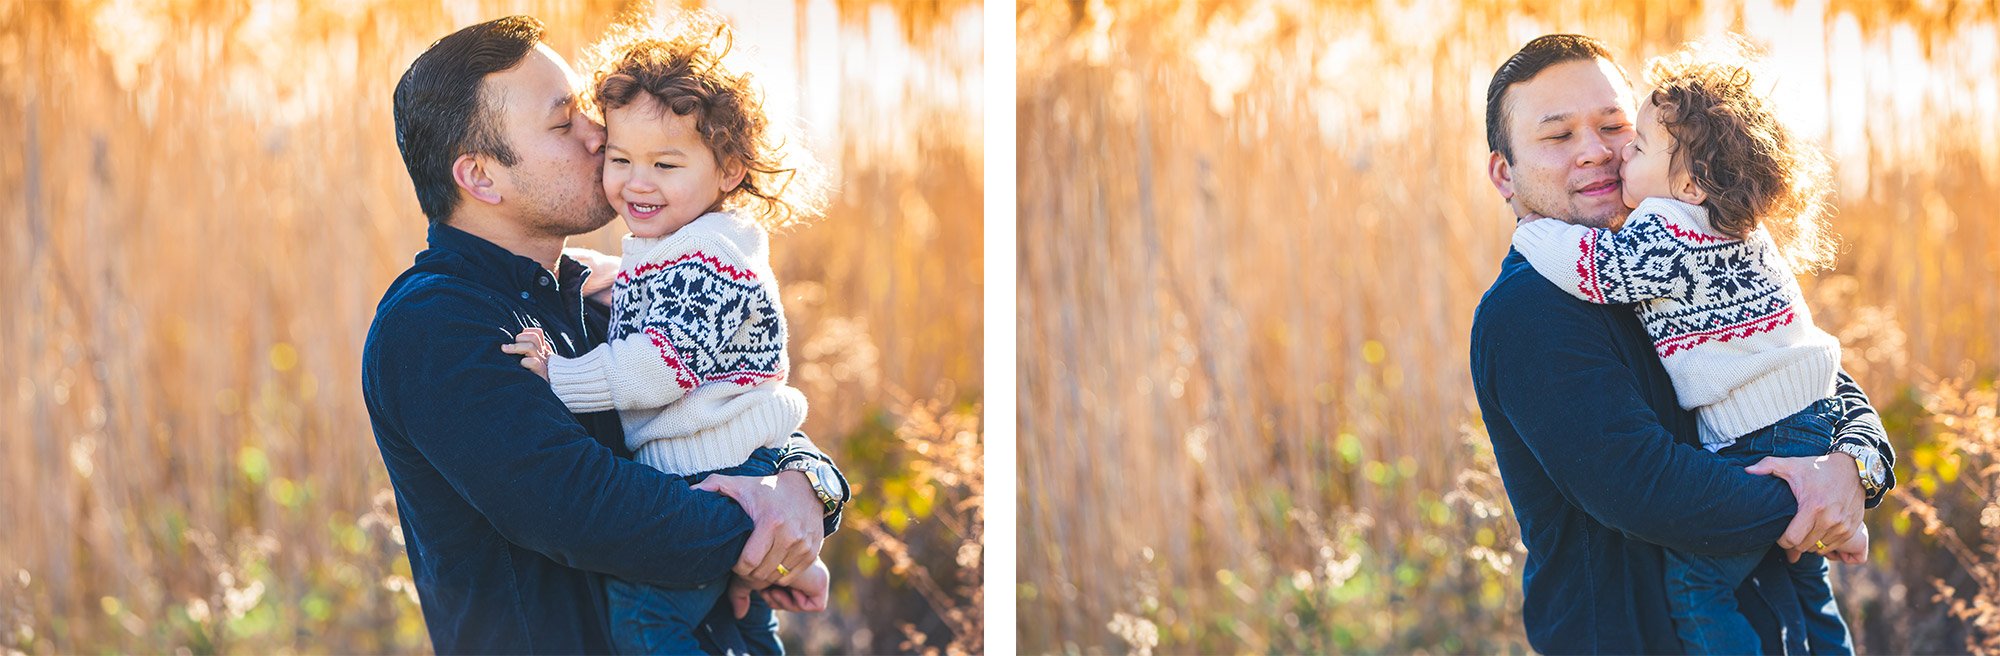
(651, 122)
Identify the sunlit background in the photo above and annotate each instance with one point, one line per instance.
(1252, 235)
(202, 204)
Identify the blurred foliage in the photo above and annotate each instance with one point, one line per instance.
(1252, 237)
(208, 203)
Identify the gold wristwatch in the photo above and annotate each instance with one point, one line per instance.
(826, 482)
(1868, 462)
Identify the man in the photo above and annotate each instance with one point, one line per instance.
(1600, 461)
(514, 510)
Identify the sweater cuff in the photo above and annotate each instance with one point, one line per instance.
(582, 382)
(1549, 246)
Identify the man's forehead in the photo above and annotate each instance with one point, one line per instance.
(538, 84)
(1571, 89)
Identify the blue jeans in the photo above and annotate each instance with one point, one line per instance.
(648, 619)
(1701, 590)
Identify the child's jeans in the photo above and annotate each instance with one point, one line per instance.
(1701, 590)
(648, 619)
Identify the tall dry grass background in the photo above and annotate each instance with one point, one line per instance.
(203, 203)
(1252, 235)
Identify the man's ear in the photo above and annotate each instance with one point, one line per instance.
(1502, 175)
(471, 174)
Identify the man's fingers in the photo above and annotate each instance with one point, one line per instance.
(1763, 467)
(1836, 535)
(1796, 531)
(767, 568)
(739, 601)
(797, 561)
(783, 599)
(718, 484)
(755, 552)
(783, 541)
(772, 598)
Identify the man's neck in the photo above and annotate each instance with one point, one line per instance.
(544, 249)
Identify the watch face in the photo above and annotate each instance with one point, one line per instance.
(832, 481)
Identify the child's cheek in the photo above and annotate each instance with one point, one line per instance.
(613, 184)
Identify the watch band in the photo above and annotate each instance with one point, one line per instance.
(815, 467)
(1871, 478)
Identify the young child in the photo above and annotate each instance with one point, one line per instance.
(695, 362)
(1710, 176)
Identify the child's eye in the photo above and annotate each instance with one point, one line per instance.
(1615, 127)
(1558, 137)
(665, 166)
(564, 126)
(619, 160)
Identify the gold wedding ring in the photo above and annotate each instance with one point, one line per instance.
(1818, 545)
(783, 572)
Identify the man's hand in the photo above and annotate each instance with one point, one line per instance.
(1830, 500)
(789, 521)
(806, 594)
(533, 347)
(1853, 552)
(603, 270)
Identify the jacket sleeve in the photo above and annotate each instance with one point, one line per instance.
(1602, 266)
(1577, 405)
(503, 441)
(679, 332)
(1860, 424)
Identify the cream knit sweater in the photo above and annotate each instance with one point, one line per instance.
(1726, 315)
(695, 363)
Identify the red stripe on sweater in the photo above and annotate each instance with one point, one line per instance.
(682, 377)
(713, 263)
(1690, 235)
(1763, 324)
(1592, 287)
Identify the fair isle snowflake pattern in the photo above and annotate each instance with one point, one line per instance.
(1722, 289)
(712, 322)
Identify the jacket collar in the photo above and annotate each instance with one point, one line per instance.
(487, 263)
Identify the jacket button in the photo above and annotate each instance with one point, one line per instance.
(544, 280)
(524, 296)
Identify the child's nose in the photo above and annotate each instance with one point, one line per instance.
(642, 181)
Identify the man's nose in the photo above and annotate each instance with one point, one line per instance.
(1595, 150)
(593, 134)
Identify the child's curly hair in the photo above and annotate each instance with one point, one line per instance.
(682, 68)
(1728, 138)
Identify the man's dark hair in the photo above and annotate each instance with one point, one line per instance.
(1541, 53)
(442, 111)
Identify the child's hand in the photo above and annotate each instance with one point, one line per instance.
(533, 347)
(807, 593)
(603, 269)
(1855, 550)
